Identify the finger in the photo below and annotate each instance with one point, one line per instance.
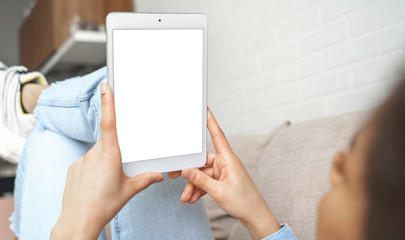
(202, 180)
(210, 162)
(173, 175)
(187, 192)
(197, 195)
(208, 171)
(107, 123)
(210, 159)
(142, 181)
(217, 135)
(189, 189)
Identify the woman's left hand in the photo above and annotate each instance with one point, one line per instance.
(96, 186)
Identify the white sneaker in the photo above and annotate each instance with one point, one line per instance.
(10, 144)
(15, 125)
(16, 119)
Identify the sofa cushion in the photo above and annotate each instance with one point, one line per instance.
(294, 169)
(249, 149)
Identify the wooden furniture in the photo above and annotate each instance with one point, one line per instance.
(52, 22)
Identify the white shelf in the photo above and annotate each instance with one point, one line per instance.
(87, 48)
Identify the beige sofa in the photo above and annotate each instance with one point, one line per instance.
(290, 166)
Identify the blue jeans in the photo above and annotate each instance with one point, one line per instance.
(68, 116)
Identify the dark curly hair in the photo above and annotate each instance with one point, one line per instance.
(385, 171)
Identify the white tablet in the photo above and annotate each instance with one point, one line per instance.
(157, 69)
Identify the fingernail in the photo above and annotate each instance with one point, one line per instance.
(158, 179)
(103, 88)
(181, 195)
(189, 174)
(209, 113)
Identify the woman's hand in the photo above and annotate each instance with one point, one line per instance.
(226, 180)
(96, 186)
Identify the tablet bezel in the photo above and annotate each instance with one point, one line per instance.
(161, 21)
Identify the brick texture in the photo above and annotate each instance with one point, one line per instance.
(297, 60)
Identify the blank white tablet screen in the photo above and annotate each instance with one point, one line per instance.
(158, 89)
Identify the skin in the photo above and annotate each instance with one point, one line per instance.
(346, 202)
(30, 95)
(225, 179)
(96, 186)
(95, 199)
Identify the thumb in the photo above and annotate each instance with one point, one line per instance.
(142, 181)
(107, 123)
(202, 180)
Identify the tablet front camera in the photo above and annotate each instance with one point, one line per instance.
(160, 20)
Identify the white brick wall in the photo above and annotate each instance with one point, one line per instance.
(298, 60)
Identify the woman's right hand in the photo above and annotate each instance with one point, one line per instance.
(226, 180)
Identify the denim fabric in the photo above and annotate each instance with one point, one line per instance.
(285, 233)
(68, 125)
